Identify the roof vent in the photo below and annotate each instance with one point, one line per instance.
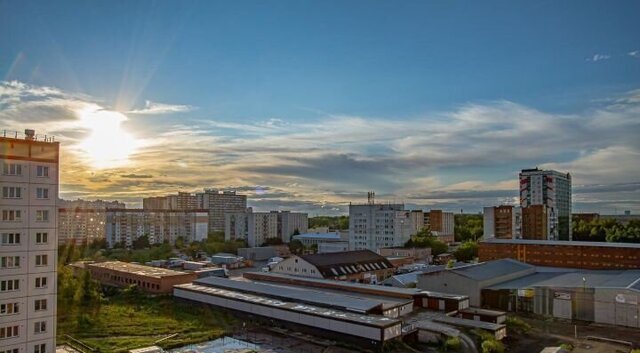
(29, 134)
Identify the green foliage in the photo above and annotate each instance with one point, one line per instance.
(516, 324)
(467, 251)
(425, 239)
(567, 347)
(337, 222)
(79, 298)
(296, 247)
(608, 230)
(637, 350)
(488, 342)
(468, 227)
(451, 344)
(141, 243)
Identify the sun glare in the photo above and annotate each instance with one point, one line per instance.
(108, 145)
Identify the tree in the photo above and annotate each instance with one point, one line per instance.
(467, 251)
(141, 242)
(296, 247)
(468, 227)
(296, 232)
(425, 239)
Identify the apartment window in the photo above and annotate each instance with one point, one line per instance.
(9, 309)
(42, 260)
(11, 192)
(10, 238)
(9, 285)
(40, 348)
(42, 215)
(42, 193)
(41, 282)
(42, 171)
(11, 215)
(8, 262)
(40, 304)
(9, 331)
(39, 327)
(42, 238)
(11, 350)
(12, 169)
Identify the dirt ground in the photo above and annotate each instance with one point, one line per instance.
(546, 333)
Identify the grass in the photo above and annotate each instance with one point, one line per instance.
(122, 325)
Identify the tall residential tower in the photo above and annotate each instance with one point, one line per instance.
(28, 242)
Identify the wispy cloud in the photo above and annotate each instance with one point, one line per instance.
(599, 57)
(635, 54)
(152, 108)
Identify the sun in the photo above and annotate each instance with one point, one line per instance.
(108, 144)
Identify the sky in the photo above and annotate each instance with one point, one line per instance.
(307, 105)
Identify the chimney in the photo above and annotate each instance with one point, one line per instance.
(29, 134)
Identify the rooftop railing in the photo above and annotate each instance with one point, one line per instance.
(23, 136)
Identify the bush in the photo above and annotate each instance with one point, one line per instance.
(492, 346)
(452, 344)
(567, 346)
(516, 324)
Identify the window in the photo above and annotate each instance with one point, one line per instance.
(41, 282)
(40, 304)
(40, 348)
(9, 309)
(12, 169)
(41, 260)
(11, 350)
(11, 215)
(10, 238)
(9, 285)
(42, 238)
(42, 215)
(42, 193)
(11, 192)
(8, 331)
(10, 262)
(39, 327)
(42, 171)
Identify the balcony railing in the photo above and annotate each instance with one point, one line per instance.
(23, 136)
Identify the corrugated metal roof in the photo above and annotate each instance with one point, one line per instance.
(491, 269)
(576, 279)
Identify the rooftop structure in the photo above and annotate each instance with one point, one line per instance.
(147, 278)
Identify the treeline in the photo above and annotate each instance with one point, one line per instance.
(335, 222)
(608, 230)
(468, 227)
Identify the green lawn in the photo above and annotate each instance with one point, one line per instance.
(122, 325)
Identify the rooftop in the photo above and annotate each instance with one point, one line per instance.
(327, 236)
(619, 279)
(347, 262)
(142, 270)
(562, 243)
(27, 135)
(490, 269)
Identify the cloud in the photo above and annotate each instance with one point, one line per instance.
(599, 57)
(635, 54)
(153, 108)
(136, 176)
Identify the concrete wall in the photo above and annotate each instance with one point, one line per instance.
(450, 282)
(617, 307)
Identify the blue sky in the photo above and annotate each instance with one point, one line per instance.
(333, 98)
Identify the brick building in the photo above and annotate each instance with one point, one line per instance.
(148, 279)
(571, 254)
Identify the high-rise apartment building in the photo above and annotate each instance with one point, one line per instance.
(28, 242)
(373, 225)
(503, 222)
(441, 224)
(257, 227)
(290, 223)
(82, 221)
(260, 227)
(218, 203)
(124, 226)
(551, 189)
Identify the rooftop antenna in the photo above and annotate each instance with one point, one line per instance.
(371, 197)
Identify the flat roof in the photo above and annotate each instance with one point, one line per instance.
(298, 294)
(368, 320)
(562, 243)
(481, 311)
(455, 321)
(327, 236)
(137, 269)
(620, 279)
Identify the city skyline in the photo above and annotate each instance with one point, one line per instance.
(332, 102)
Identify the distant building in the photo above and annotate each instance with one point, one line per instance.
(28, 242)
(257, 227)
(236, 225)
(503, 222)
(551, 191)
(218, 203)
(336, 246)
(148, 279)
(416, 254)
(373, 226)
(290, 223)
(308, 239)
(441, 224)
(82, 221)
(570, 254)
(363, 266)
(417, 220)
(126, 225)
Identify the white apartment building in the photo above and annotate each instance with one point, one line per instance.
(260, 227)
(236, 225)
(28, 242)
(123, 226)
(553, 190)
(82, 221)
(218, 203)
(373, 226)
(256, 227)
(290, 222)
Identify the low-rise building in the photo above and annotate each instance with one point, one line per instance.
(357, 266)
(337, 246)
(416, 254)
(148, 279)
(503, 222)
(308, 239)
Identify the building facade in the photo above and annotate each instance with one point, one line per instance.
(257, 227)
(290, 223)
(441, 224)
(28, 242)
(83, 222)
(219, 202)
(123, 226)
(373, 226)
(551, 189)
(148, 279)
(503, 222)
